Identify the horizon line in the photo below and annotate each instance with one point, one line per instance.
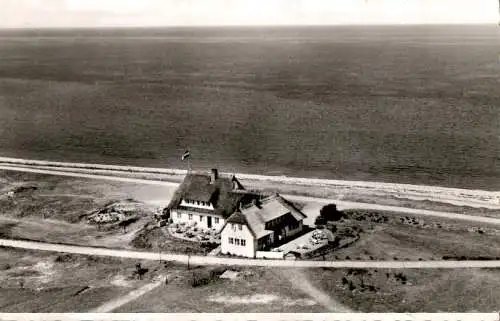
(372, 24)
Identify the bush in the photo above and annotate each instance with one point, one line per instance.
(204, 278)
(330, 213)
(320, 221)
(5, 266)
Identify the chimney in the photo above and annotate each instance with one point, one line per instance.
(214, 174)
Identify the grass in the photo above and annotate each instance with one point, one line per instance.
(48, 282)
(402, 238)
(181, 296)
(461, 290)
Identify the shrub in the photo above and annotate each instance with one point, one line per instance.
(204, 278)
(319, 221)
(5, 266)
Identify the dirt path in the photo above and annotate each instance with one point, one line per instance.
(211, 260)
(300, 281)
(131, 296)
(341, 204)
(456, 196)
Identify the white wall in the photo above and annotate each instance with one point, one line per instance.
(269, 255)
(226, 248)
(196, 218)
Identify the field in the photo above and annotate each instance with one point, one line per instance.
(48, 282)
(53, 209)
(43, 282)
(414, 290)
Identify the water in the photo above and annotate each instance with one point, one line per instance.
(407, 104)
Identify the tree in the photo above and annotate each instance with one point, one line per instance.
(320, 220)
(331, 213)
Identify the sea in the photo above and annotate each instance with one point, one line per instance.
(403, 104)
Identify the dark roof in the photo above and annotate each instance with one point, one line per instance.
(225, 194)
(237, 218)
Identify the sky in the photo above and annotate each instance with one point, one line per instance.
(131, 13)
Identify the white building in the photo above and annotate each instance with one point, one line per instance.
(207, 200)
(260, 226)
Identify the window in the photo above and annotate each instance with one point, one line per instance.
(197, 202)
(243, 242)
(231, 240)
(190, 216)
(179, 215)
(201, 218)
(240, 227)
(216, 220)
(237, 241)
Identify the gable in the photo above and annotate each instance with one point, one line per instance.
(225, 194)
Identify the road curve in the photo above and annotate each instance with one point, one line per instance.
(341, 204)
(209, 260)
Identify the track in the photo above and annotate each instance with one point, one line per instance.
(455, 196)
(341, 204)
(209, 260)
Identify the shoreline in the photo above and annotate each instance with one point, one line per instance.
(281, 178)
(455, 196)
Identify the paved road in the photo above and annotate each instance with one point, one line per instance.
(341, 204)
(208, 260)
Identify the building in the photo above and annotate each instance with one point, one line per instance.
(207, 200)
(260, 226)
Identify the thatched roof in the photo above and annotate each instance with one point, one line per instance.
(225, 194)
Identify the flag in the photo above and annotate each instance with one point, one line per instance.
(185, 155)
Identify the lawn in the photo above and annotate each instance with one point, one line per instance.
(47, 282)
(402, 237)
